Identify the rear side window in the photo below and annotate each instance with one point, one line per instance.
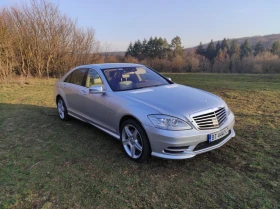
(68, 79)
(77, 77)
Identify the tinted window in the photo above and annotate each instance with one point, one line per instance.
(77, 77)
(68, 79)
(93, 78)
(128, 78)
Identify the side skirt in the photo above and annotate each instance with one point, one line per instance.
(116, 136)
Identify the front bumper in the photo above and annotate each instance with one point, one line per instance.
(187, 143)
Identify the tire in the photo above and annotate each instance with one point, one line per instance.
(62, 109)
(134, 141)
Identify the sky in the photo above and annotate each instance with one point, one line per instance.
(119, 22)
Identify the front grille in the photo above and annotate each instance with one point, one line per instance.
(210, 120)
(204, 145)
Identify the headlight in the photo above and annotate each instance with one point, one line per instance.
(169, 123)
(227, 109)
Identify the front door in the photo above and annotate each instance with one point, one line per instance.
(95, 107)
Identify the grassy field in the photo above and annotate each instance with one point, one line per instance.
(48, 163)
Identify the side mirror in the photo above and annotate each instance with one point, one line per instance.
(169, 78)
(98, 89)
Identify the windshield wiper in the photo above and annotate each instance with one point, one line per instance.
(158, 85)
(143, 87)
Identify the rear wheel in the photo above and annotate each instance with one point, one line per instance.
(62, 110)
(135, 141)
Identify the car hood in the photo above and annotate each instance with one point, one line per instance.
(176, 100)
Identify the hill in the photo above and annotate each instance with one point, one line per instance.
(266, 40)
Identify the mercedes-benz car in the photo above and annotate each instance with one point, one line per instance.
(146, 111)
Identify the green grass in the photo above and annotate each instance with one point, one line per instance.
(48, 163)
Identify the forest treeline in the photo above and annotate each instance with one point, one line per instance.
(37, 40)
(226, 56)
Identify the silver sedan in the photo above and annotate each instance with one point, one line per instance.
(146, 111)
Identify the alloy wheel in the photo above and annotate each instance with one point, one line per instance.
(132, 141)
(60, 109)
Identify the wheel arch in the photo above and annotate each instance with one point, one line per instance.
(126, 117)
(57, 96)
(61, 96)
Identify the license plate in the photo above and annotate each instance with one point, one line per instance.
(217, 135)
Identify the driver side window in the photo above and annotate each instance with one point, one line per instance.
(77, 77)
(93, 78)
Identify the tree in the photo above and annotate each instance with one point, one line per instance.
(258, 48)
(222, 55)
(165, 48)
(144, 45)
(177, 64)
(245, 49)
(138, 49)
(192, 61)
(44, 42)
(266, 63)
(224, 44)
(210, 51)
(154, 48)
(221, 62)
(129, 50)
(200, 50)
(176, 46)
(151, 47)
(7, 56)
(111, 59)
(275, 48)
(218, 47)
(234, 48)
(129, 59)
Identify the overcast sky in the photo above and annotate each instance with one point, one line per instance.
(118, 22)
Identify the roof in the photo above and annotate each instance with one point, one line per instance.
(111, 65)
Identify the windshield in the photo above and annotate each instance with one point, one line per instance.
(127, 78)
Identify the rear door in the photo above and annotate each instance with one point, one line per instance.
(74, 89)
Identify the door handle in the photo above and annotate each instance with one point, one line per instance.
(64, 85)
(83, 92)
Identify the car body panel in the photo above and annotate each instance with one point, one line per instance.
(94, 108)
(74, 97)
(175, 100)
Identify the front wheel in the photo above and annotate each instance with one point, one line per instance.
(135, 141)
